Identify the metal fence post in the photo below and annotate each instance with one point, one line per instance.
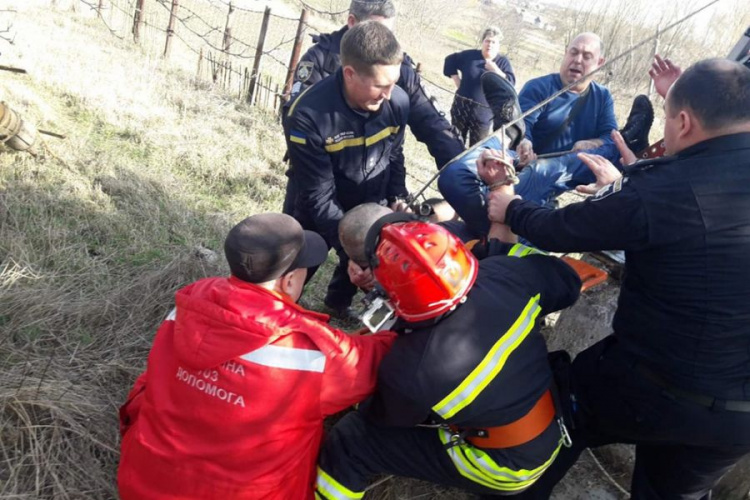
(138, 20)
(170, 28)
(227, 42)
(294, 60)
(258, 54)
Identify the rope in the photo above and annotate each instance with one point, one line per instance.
(607, 475)
(565, 89)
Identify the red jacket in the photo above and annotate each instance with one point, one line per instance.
(232, 402)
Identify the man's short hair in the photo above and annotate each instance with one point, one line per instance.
(369, 44)
(363, 10)
(717, 91)
(353, 229)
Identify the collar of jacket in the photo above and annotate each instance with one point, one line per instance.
(722, 143)
(331, 42)
(284, 298)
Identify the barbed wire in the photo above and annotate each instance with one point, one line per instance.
(106, 25)
(319, 11)
(250, 11)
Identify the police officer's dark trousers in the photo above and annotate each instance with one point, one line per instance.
(356, 451)
(682, 448)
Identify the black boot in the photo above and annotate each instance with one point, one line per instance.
(636, 129)
(503, 100)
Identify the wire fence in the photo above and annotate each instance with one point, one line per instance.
(250, 53)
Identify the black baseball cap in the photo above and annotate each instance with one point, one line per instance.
(266, 246)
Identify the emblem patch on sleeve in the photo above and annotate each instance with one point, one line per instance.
(610, 189)
(304, 70)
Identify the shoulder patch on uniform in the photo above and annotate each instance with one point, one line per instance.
(304, 70)
(297, 137)
(610, 189)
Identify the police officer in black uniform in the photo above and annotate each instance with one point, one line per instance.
(427, 124)
(463, 398)
(674, 378)
(345, 137)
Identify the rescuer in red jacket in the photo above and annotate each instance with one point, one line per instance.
(240, 378)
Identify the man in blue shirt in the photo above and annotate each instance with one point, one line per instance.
(581, 119)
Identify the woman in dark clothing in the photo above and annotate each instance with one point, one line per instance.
(469, 112)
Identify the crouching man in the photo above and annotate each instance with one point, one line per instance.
(464, 397)
(240, 378)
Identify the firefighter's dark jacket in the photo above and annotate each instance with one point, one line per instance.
(684, 223)
(427, 124)
(485, 364)
(342, 157)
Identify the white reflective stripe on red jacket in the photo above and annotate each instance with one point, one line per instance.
(172, 315)
(289, 358)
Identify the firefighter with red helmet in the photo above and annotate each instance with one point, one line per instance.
(464, 397)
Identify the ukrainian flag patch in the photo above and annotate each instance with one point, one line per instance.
(297, 137)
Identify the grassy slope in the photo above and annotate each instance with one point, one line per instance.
(99, 230)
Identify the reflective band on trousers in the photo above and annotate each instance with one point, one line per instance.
(328, 488)
(463, 395)
(519, 250)
(475, 465)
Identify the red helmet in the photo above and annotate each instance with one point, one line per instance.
(424, 269)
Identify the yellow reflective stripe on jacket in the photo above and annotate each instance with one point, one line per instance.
(463, 395)
(475, 465)
(519, 250)
(359, 141)
(329, 489)
(381, 135)
(346, 143)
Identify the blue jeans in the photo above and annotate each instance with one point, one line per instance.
(540, 181)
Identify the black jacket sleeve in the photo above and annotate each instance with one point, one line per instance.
(557, 284)
(504, 64)
(428, 124)
(313, 168)
(614, 219)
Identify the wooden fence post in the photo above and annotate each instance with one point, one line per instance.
(138, 20)
(259, 53)
(227, 42)
(294, 60)
(170, 28)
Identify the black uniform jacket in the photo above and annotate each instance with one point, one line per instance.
(684, 223)
(427, 124)
(485, 364)
(342, 157)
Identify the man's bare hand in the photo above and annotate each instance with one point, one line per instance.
(401, 206)
(498, 205)
(525, 152)
(492, 166)
(603, 170)
(627, 157)
(664, 73)
(361, 277)
(587, 145)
